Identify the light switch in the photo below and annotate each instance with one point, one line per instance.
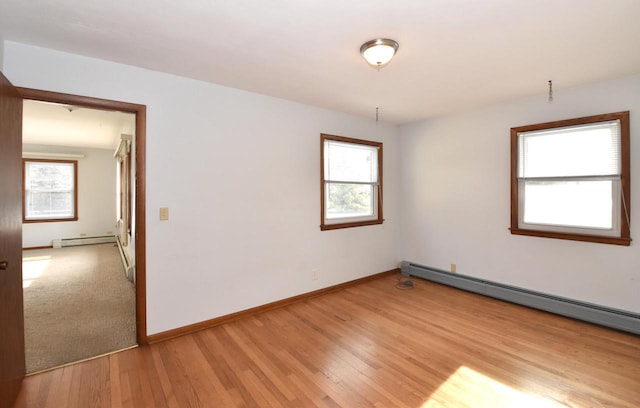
(164, 213)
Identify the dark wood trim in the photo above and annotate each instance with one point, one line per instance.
(327, 227)
(625, 153)
(12, 348)
(9, 391)
(625, 210)
(322, 186)
(141, 119)
(515, 199)
(24, 191)
(141, 225)
(79, 100)
(380, 218)
(573, 237)
(192, 328)
(50, 220)
(38, 247)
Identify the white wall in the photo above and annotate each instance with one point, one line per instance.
(456, 200)
(240, 175)
(96, 199)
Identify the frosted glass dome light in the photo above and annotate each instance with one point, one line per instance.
(379, 52)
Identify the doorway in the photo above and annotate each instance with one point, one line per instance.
(136, 217)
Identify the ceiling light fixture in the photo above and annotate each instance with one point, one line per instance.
(70, 108)
(379, 52)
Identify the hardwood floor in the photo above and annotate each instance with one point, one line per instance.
(367, 345)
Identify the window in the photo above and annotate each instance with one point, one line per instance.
(50, 192)
(570, 179)
(351, 182)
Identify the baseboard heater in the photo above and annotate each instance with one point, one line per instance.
(129, 268)
(613, 318)
(68, 242)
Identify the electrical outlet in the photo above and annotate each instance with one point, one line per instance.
(164, 214)
(453, 268)
(314, 274)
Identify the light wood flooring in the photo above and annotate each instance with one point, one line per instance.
(364, 346)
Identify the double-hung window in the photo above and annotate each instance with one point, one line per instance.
(570, 179)
(50, 190)
(351, 182)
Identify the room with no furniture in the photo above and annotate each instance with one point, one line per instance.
(323, 204)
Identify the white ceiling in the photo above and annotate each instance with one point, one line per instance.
(63, 125)
(454, 54)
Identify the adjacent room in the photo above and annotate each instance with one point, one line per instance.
(77, 276)
(451, 223)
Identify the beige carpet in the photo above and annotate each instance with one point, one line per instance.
(77, 304)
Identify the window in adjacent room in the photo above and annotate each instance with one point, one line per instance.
(570, 179)
(50, 190)
(351, 182)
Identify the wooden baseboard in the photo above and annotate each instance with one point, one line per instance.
(192, 328)
(38, 247)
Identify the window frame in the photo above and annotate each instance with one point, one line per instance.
(563, 232)
(349, 222)
(25, 220)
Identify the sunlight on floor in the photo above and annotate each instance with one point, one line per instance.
(470, 388)
(32, 268)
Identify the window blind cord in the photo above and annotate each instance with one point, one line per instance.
(380, 198)
(626, 211)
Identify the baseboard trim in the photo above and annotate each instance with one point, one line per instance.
(38, 247)
(196, 327)
(79, 241)
(605, 316)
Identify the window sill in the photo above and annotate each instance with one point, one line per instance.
(49, 220)
(625, 241)
(326, 227)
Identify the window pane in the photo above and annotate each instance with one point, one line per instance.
(50, 176)
(349, 200)
(50, 205)
(49, 190)
(570, 151)
(585, 204)
(350, 162)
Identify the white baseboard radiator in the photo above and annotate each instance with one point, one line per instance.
(129, 267)
(589, 312)
(68, 242)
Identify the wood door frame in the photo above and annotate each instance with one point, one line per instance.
(140, 239)
(12, 347)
